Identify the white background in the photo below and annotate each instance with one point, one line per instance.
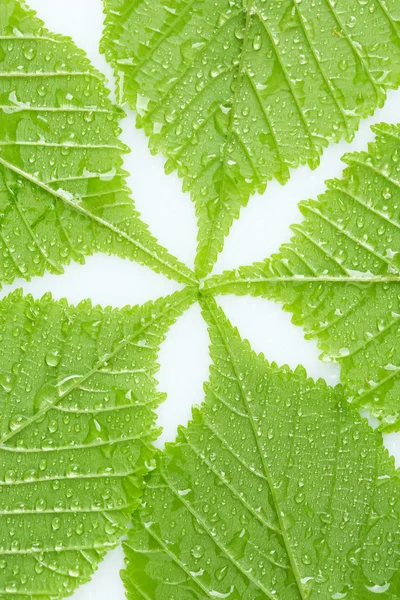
(263, 226)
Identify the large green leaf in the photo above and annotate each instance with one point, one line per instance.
(235, 92)
(77, 422)
(275, 490)
(340, 275)
(63, 193)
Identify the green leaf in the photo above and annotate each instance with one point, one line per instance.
(276, 489)
(236, 92)
(77, 422)
(63, 192)
(340, 276)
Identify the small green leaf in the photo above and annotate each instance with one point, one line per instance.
(340, 275)
(77, 422)
(237, 92)
(275, 490)
(63, 192)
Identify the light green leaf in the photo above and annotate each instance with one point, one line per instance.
(63, 192)
(236, 92)
(275, 490)
(77, 422)
(340, 276)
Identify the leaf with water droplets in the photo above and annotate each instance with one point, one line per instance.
(292, 76)
(340, 276)
(275, 490)
(63, 191)
(76, 430)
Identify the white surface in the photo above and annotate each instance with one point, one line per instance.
(264, 225)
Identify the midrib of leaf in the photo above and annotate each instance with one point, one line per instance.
(32, 551)
(83, 378)
(215, 285)
(368, 512)
(64, 511)
(64, 145)
(30, 38)
(29, 594)
(56, 449)
(67, 478)
(296, 574)
(79, 208)
(49, 74)
(85, 109)
(331, 495)
(240, 72)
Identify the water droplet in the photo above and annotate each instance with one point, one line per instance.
(46, 397)
(299, 498)
(239, 33)
(10, 477)
(221, 573)
(56, 524)
(53, 426)
(97, 432)
(39, 568)
(16, 422)
(396, 155)
(197, 551)
(351, 23)
(29, 53)
(257, 42)
(6, 382)
(53, 358)
(326, 518)
(40, 505)
(110, 528)
(89, 117)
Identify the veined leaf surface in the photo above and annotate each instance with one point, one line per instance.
(340, 275)
(236, 92)
(63, 193)
(77, 422)
(276, 490)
